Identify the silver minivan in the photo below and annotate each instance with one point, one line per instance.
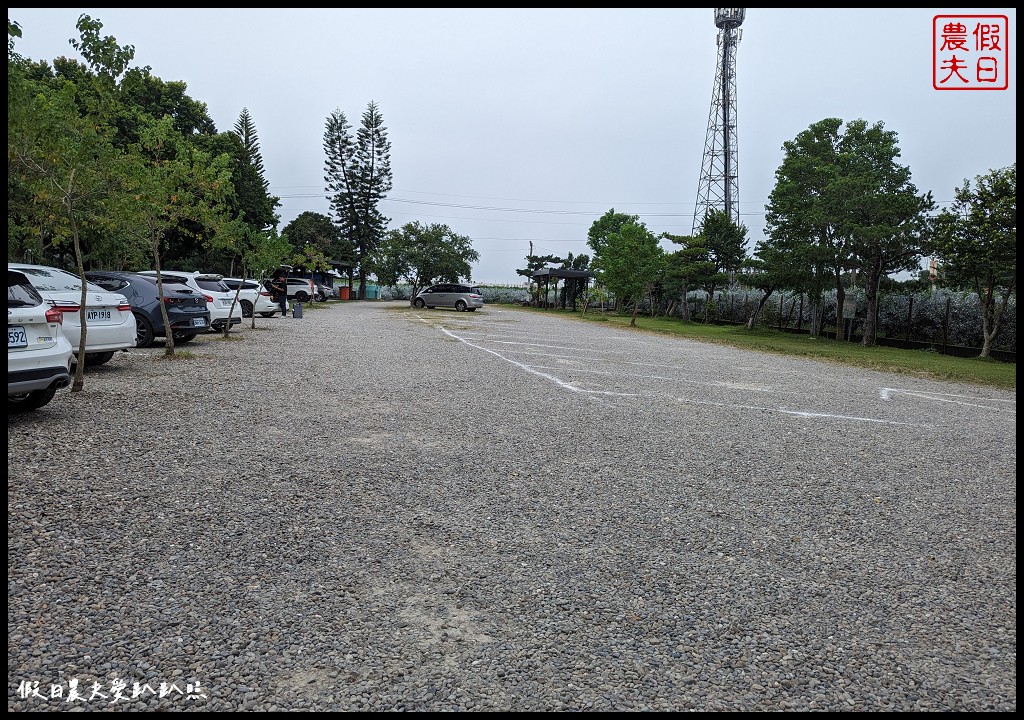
(450, 295)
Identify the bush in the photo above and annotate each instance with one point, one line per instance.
(924, 311)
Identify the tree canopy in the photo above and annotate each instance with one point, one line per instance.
(358, 176)
(976, 244)
(422, 255)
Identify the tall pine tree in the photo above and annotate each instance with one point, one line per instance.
(358, 177)
(251, 187)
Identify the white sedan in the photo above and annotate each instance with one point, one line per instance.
(109, 321)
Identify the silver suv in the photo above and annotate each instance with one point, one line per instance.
(301, 289)
(452, 295)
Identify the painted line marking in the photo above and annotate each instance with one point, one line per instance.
(572, 388)
(887, 394)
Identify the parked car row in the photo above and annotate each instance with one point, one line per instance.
(220, 300)
(187, 311)
(122, 310)
(108, 315)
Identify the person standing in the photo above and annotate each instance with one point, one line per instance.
(279, 289)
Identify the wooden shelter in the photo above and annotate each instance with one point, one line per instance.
(575, 283)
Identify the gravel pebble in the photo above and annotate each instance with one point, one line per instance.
(378, 508)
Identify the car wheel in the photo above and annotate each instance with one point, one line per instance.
(93, 359)
(319, 297)
(31, 400)
(182, 338)
(418, 302)
(461, 306)
(268, 314)
(246, 309)
(301, 297)
(143, 331)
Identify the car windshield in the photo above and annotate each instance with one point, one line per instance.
(57, 280)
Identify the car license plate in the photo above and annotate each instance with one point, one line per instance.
(16, 337)
(98, 315)
(198, 322)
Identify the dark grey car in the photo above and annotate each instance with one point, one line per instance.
(187, 311)
(450, 295)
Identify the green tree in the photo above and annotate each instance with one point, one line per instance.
(316, 229)
(772, 268)
(886, 219)
(843, 203)
(358, 177)
(630, 262)
(607, 225)
(176, 185)
(726, 243)
(807, 215)
(689, 267)
(66, 162)
(422, 256)
(252, 191)
(975, 241)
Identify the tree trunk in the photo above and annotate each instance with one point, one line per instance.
(872, 278)
(990, 319)
(840, 299)
(758, 308)
(636, 305)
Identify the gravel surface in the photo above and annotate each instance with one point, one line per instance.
(379, 508)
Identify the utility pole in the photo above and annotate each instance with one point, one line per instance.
(529, 280)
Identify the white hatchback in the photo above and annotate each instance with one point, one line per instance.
(38, 354)
(219, 297)
(109, 320)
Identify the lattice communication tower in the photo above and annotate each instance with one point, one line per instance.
(719, 187)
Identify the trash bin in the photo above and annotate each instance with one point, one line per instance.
(297, 310)
(343, 293)
(371, 292)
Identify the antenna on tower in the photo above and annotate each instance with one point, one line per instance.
(719, 187)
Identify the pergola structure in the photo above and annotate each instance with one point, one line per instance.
(579, 278)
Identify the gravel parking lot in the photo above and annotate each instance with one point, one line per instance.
(508, 510)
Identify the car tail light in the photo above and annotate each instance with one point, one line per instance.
(68, 307)
(124, 307)
(265, 294)
(53, 315)
(209, 298)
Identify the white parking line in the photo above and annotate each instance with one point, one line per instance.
(887, 394)
(799, 413)
(561, 383)
(573, 388)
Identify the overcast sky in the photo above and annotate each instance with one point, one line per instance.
(513, 125)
